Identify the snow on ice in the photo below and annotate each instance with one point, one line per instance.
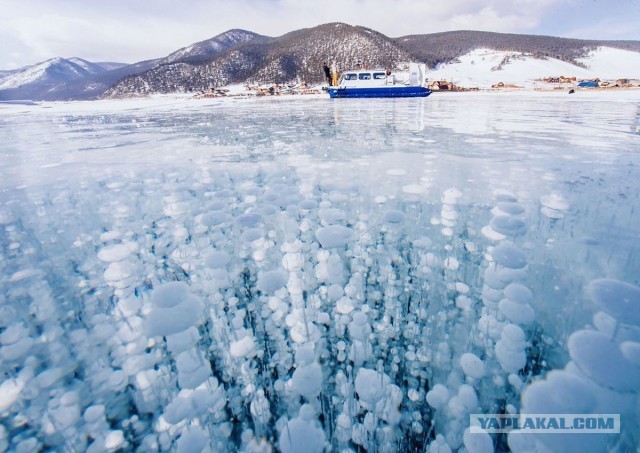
(306, 275)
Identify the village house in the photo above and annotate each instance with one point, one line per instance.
(441, 85)
(594, 83)
(561, 79)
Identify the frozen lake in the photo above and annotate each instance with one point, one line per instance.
(305, 273)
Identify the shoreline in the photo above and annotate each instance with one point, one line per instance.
(190, 99)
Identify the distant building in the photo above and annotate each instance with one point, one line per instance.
(501, 85)
(561, 79)
(588, 84)
(441, 85)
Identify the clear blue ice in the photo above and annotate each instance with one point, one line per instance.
(314, 274)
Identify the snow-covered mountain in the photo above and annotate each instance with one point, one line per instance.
(111, 65)
(55, 70)
(59, 79)
(205, 50)
(4, 73)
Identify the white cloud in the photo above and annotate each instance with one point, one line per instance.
(134, 30)
(490, 20)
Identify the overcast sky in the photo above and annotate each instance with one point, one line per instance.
(133, 30)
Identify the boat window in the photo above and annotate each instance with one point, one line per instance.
(365, 76)
(379, 75)
(350, 77)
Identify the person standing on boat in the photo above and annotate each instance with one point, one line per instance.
(334, 74)
(327, 73)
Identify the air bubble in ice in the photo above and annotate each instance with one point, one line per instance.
(334, 236)
(509, 256)
(508, 226)
(600, 358)
(438, 396)
(371, 385)
(510, 207)
(620, 299)
(472, 365)
(216, 259)
(394, 216)
(270, 281)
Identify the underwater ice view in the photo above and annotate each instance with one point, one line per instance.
(308, 275)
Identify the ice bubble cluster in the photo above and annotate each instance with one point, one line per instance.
(295, 305)
(603, 376)
(510, 349)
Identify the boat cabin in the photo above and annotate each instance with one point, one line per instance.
(369, 78)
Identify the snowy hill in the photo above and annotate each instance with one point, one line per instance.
(609, 63)
(483, 68)
(437, 48)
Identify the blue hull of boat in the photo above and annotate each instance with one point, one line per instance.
(384, 92)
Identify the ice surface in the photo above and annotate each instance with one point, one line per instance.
(234, 275)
